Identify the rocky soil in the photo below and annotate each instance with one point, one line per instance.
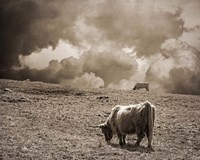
(42, 121)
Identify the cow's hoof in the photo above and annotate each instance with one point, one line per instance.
(150, 148)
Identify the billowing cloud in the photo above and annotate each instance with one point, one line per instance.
(55, 72)
(42, 58)
(179, 69)
(99, 69)
(192, 36)
(110, 66)
(115, 42)
(87, 80)
(124, 84)
(30, 25)
(136, 24)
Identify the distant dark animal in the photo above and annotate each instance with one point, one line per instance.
(141, 85)
(133, 119)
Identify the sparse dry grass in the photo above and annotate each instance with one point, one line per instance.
(45, 121)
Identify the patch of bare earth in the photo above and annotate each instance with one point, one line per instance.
(45, 121)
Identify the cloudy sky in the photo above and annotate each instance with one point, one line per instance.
(102, 43)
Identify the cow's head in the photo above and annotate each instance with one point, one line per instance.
(107, 131)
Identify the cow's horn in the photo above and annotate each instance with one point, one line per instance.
(97, 126)
(101, 125)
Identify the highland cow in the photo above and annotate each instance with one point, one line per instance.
(133, 119)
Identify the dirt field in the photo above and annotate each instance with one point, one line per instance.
(45, 121)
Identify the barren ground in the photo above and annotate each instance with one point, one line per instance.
(44, 121)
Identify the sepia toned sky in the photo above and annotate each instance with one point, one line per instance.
(102, 43)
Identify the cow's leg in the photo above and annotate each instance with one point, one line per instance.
(120, 139)
(149, 136)
(124, 139)
(140, 136)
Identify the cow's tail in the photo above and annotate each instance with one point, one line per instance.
(150, 121)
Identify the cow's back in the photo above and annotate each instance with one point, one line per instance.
(141, 85)
(126, 118)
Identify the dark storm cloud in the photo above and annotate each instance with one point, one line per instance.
(137, 24)
(30, 25)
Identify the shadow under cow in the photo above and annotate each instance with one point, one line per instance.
(133, 148)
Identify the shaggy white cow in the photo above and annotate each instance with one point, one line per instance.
(123, 120)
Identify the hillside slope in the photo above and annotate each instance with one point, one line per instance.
(46, 121)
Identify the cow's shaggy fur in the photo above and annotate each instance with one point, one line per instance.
(133, 119)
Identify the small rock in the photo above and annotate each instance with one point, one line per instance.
(8, 90)
(25, 149)
(12, 124)
(158, 126)
(103, 97)
(24, 99)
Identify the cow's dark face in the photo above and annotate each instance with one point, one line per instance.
(106, 130)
